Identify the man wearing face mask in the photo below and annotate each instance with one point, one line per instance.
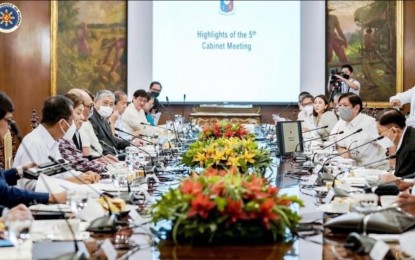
(391, 125)
(103, 108)
(42, 142)
(351, 120)
(306, 114)
(154, 90)
(11, 196)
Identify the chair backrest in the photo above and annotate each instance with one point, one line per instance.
(8, 148)
(34, 120)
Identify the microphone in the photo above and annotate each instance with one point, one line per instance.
(139, 148)
(359, 243)
(354, 148)
(284, 109)
(317, 138)
(102, 224)
(315, 129)
(355, 132)
(172, 120)
(125, 132)
(386, 158)
(109, 146)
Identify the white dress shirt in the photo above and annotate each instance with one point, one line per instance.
(368, 153)
(405, 98)
(36, 147)
(132, 119)
(89, 139)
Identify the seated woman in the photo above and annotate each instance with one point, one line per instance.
(147, 109)
(67, 147)
(323, 116)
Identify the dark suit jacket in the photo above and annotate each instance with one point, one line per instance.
(102, 130)
(12, 196)
(405, 156)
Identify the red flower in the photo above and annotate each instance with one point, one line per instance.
(248, 215)
(201, 205)
(216, 130)
(191, 187)
(255, 184)
(229, 133)
(267, 213)
(234, 209)
(273, 190)
(284, 202)
(211, 172)
(217, 188)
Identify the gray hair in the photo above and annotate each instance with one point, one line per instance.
(104, 93)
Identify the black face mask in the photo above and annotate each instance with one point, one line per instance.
(154, 94)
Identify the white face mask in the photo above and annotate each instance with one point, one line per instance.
(70, 132)
(105, 112)
(386, 142)
(308, 110)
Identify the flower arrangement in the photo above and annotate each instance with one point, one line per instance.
(221, 205)
(227, 152)
(224, 129)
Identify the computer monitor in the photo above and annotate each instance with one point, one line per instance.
(289, 137)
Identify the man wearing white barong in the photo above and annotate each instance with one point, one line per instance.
(351, 120)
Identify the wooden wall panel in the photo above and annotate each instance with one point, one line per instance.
(25, 61)
(409, 45)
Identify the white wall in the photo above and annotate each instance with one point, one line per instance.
(313, 47)
(140, 40)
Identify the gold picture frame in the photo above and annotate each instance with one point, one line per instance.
(92, 53)
(369, 36)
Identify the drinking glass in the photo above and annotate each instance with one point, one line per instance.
(77, 200)
(18, 230)
(120, 178)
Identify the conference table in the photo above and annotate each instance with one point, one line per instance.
(319, 244)
(308, 247)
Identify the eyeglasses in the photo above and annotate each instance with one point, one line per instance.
(9, 120)
(90, 106)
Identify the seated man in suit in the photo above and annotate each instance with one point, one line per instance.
(391, 124)
(103, 108)
(12, 196)
(42, 142)
(351, 120)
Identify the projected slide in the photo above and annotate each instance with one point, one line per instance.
(227, 51)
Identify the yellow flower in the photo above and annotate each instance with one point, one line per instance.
(233, 161)
(228, 151)
(249, 156)
(211, 149)
(218, 156)
(200, 157)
